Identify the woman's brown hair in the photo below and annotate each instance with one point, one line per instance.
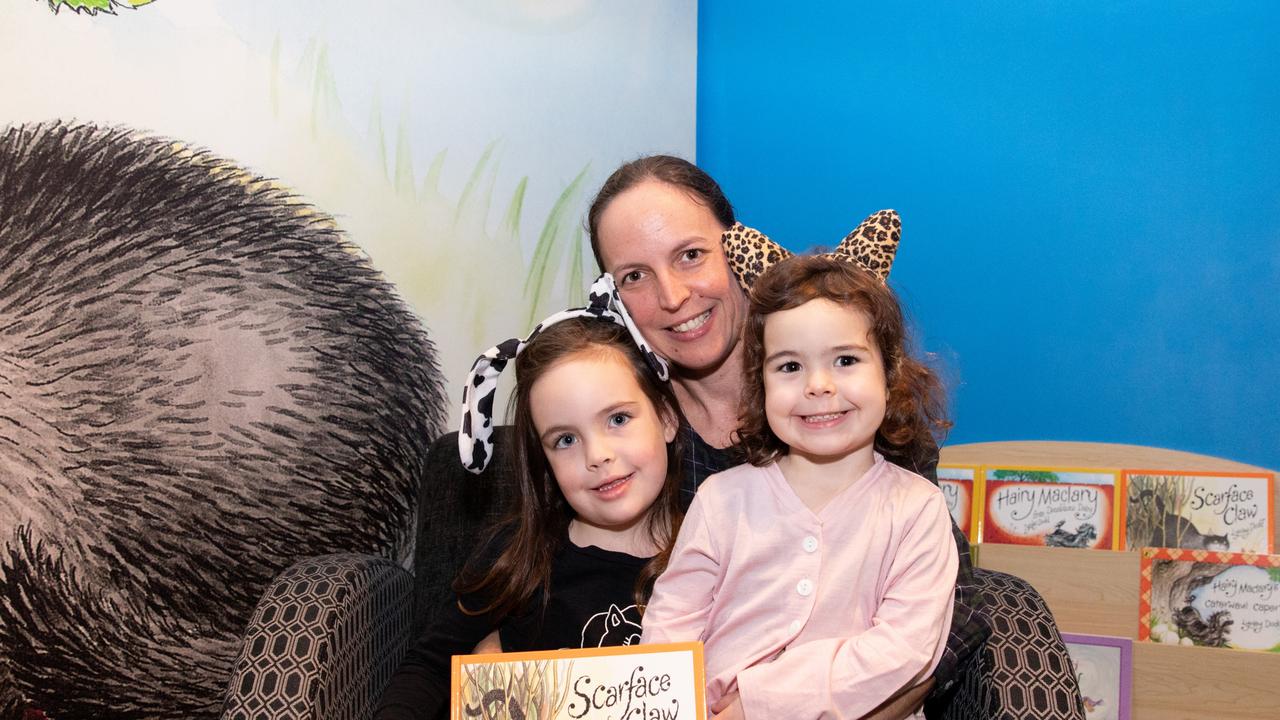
(915, 407)
(537, 527)
(674, 171)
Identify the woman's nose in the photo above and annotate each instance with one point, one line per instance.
(672, 292)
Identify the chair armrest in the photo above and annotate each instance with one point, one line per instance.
(324, 640)
(1023, 672)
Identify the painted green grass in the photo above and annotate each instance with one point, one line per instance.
(458, 256)
(93, 7)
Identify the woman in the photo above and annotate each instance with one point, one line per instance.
(656, 225)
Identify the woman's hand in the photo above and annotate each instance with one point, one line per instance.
(728, 708)
(490, 644)
(897, 707)
(903, 704)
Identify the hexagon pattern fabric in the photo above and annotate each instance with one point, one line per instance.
(1024, 672)
(324, 641)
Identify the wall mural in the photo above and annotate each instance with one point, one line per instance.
(245, 257)
(93, 7)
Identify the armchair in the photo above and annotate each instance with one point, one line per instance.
(330, 631)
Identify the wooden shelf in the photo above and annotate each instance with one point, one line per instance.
(1096, 592)
(1171, 682)
(1089, 591)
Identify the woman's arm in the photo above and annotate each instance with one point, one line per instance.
(856, 674)
(420, 688)
(681, 600)
(898, 707)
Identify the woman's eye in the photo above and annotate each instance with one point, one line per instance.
(633, 276)
(619, 419)
(846, 361)
(693, 254)
(789, 367)
(564, 441)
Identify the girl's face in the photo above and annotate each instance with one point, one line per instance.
(824, 381)
(604, 440)
(664, 250)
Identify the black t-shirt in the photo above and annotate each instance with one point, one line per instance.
(591, 604)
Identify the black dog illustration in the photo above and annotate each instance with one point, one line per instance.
(1081, 538)
(1210, 633)
(201, 381)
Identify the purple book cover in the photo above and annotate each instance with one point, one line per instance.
(1104, 666)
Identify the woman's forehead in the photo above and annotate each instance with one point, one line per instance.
(653, 220)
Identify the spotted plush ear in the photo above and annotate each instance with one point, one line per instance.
(750, 253)
(873, 244)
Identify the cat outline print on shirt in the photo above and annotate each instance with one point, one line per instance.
(614, 626)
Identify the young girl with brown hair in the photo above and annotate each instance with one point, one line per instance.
(598, 483)
(819, 576)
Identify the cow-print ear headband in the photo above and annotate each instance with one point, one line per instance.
(872, 246)
(475, 436)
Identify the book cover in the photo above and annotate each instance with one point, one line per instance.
(1210, 599)
(1057, 507)
(1104, 667)
(643, 682)
(1223, 512)
(959, 485)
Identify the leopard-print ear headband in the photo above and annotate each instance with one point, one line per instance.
(872, 245)
(475, 435)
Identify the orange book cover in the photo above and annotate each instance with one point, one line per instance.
(1049, 506)
(1198, 510)
(959, 485)
(1210, 599)
(653, 682)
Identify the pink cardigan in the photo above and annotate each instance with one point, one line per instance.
(810, 616)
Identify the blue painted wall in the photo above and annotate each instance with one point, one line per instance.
(1090, 196)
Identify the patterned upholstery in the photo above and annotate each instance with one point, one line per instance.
(324, 640)
(1024, 672)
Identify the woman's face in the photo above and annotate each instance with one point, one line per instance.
(663, 248)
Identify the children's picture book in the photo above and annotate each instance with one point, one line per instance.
(1104, 666)
(638, 682)
(959, 487)
(1210, 599)
(1057, 507)
(1224, 512)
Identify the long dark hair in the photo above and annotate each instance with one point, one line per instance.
(668, 169)
(915, 409)
(538, 526)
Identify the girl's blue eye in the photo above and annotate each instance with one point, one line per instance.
(789, 367)
(846, 361)
(564, 441)
(619, 419)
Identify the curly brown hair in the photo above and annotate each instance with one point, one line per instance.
(915, 407)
